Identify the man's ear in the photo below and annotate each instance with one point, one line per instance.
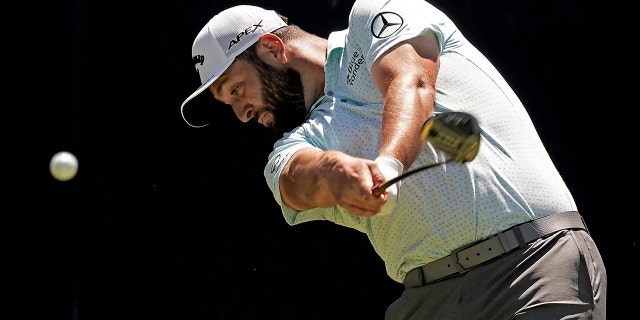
(271, 49)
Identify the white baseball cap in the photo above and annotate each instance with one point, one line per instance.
(221, 40)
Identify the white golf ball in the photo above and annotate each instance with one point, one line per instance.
(63, 166)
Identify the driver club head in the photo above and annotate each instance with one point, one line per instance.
(455, 133)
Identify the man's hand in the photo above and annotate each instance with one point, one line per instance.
(349, 182)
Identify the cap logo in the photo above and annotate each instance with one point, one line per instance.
(198, 59)
(245, 32)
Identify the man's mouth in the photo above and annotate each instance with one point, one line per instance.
(263, 119)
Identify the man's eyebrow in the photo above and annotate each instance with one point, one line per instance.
(219, 83)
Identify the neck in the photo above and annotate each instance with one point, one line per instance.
(308, 56)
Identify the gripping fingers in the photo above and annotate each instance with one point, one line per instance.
(366, 206)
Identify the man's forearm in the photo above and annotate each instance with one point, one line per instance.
(321, 179)
(300, 181)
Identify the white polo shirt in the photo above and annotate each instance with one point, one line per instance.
(512, 179)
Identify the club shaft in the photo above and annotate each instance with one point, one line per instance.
(390, 182)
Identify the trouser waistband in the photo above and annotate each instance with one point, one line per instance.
(468, 257)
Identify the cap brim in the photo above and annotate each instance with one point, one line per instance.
(200, 113)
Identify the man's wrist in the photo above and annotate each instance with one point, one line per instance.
(390, 166)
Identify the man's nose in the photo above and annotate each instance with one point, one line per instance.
(244, 111)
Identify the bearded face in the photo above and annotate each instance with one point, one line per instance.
(282, 94)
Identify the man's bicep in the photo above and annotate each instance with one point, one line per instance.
(415, 59)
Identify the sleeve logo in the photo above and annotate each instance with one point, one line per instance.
(385, 24)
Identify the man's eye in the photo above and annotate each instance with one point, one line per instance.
(234, 90)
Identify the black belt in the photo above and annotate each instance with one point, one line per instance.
(468, 257)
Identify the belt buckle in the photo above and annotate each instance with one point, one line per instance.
(480, 252)
(461, 268)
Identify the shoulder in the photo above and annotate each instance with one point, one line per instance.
(364, 10)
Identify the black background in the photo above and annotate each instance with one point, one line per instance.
(164, 221)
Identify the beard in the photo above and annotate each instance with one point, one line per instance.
(283, 97)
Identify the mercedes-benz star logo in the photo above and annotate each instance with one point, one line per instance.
(385, 24)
